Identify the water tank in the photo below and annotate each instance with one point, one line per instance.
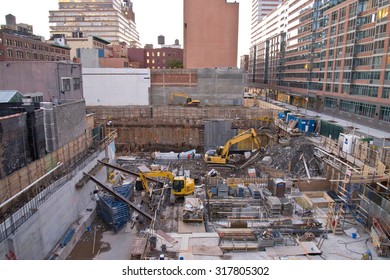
(161, 40)
(177, 42)
(10, 19)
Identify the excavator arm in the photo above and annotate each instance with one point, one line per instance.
(181, 186)
(250, 133)
(145, 175)
(221, 155)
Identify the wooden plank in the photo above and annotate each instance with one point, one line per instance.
(190, 227)
(380, 169)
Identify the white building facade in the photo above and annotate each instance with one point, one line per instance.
(116, 86)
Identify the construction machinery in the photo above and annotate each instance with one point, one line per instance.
(188, 101)
(181, 186)
(221, 154)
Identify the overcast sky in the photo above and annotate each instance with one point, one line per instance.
(153, 18)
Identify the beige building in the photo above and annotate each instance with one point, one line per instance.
(90, 42)
(112, 20)
(210, 34)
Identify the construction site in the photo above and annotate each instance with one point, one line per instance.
(208, 183)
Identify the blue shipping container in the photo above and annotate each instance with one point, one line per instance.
(306, 125)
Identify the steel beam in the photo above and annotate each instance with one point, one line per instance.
(127, 171)
(120, 197)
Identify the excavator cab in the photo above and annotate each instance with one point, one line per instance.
(178, 185)
(182, 186)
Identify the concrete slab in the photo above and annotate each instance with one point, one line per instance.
(206, 250)
(283, 251)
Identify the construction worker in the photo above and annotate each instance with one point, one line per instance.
(193, 155)
(367, 255)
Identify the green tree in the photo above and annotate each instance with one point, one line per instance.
(174, 64)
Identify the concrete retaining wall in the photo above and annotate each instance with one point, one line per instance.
(36, 238)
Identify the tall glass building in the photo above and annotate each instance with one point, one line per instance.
(327, 55)
(112, 20)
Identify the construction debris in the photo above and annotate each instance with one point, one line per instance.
(192, 210)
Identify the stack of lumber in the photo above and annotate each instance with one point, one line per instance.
(274, 205)
(236, 233)
(287, 207)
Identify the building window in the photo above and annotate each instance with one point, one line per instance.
(385, 93)
(158, 53)
(10, 53)
(330, 103)
(358, 108)
(76, 83)
(147, 61)
(19, 54)
(153, 61)
(382, 13)
(1, 40)
(1, 52)
(147, 54)
(152, 53)
(65, 84)
(41, 57)
(384, 114)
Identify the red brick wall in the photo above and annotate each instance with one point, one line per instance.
(177, 77)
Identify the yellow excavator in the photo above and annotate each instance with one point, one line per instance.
(182, 95)
(181, 186)
(221, 154)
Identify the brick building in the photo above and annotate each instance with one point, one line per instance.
(160, 58)
(210, 34)
(327, 56)
(16, 47)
